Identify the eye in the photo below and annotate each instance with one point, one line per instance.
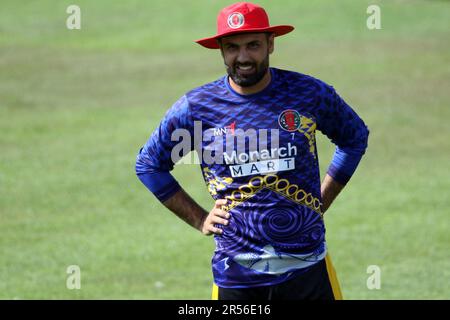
(253, 45)
(231, 47)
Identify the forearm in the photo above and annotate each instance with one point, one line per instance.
(330, 188)
(186, 209)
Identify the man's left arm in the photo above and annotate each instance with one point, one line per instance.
(329, 189)
(340, 123)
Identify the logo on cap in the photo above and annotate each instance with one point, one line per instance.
(236, 20)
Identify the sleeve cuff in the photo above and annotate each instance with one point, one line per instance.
(344, 163)
(162, 184)
(337, 175)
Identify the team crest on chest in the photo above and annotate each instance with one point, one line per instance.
(289, 120)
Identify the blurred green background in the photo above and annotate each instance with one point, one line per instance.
(76, 106)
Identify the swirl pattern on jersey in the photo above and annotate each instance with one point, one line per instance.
(261, 221)
(287, 228)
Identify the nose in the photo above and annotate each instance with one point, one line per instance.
(243, 56)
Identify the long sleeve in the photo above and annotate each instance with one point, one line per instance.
(340, 123)
(155, 159)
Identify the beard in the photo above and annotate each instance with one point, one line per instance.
(247, 80)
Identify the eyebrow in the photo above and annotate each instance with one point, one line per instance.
(230, 44)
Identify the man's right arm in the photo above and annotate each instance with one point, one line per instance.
(154, 163)
(193, 214)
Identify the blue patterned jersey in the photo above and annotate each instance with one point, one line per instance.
(259, 152)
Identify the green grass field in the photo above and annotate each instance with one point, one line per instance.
(76, 106)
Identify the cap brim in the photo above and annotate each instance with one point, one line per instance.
(212, 43)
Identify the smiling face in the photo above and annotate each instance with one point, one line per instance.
(246, 57)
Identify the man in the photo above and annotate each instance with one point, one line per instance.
(268, 216)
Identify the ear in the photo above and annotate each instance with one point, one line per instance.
(271, 43)
(219, 41)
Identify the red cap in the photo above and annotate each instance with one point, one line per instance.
(239, 18)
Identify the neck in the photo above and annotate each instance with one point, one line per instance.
(260, 86)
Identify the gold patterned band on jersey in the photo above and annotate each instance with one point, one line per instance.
(280, 186)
